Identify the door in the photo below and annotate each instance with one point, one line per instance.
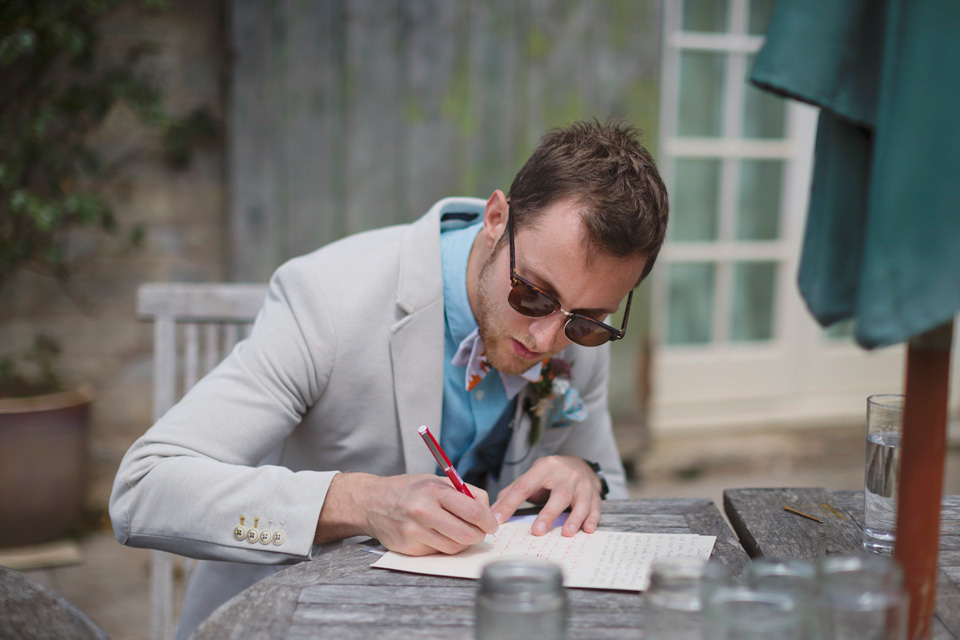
(736, 345)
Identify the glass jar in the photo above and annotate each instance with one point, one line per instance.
(521, 600)
(796, 577)
(738, 612)
(678, 586)
(862, 598)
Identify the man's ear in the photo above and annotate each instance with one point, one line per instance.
(495, 217)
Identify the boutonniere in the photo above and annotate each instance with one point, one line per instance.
(554, 383)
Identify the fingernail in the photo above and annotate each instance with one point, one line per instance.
(498, 516)
(539, 528)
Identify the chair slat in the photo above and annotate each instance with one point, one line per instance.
(231, 334)
(164, 365)
(211, 342)
(191, 355)
(201, 302)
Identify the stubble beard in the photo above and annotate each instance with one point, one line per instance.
(496, 341)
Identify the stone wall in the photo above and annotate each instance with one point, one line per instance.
(182, 215)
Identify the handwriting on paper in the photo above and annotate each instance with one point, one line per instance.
(599, 560)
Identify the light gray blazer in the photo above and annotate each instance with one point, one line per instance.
(342, 366)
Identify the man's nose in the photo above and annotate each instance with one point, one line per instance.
(546, 331)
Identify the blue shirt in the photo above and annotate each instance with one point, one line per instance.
(469, 417)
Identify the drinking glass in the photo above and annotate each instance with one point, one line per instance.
(861, 598)
(739, 612)
(795, 577)
(521, 600)
(674, 599)
(881, 479)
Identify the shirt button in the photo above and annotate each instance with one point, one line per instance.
(479, 394)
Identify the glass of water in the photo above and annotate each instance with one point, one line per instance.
(884, 436)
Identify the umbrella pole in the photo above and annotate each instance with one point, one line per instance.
(921, 472)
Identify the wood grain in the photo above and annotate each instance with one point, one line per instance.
(764, 529)
(338, 595)
(346, 115)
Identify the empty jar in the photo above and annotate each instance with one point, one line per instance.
(521, 600)
(678, 587)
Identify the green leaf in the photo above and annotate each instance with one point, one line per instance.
(20, 43)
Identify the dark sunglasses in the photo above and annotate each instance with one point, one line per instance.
(534, 302)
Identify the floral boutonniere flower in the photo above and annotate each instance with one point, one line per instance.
(554, 384)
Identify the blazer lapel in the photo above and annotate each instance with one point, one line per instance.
(416, 341)
(417, 356)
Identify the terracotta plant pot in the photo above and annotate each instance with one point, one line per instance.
(43, 465)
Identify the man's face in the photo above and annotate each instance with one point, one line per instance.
(554, 255)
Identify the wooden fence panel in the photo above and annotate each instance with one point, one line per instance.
(347, 115)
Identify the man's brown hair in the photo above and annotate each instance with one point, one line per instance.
(614, 178)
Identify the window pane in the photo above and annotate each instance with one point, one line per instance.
(760, 11)
(701, 93)
(753, 288)
(705, 15)
(759, 212)
(690, 303)
(764, 114)
(696, 194)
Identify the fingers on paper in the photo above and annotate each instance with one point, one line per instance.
(584, 512)
(568, 482)
(536, 485)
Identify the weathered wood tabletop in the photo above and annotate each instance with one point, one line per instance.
(766, 529)
(30, 610)
(338, 595)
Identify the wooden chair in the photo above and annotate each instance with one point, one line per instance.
(194, 327)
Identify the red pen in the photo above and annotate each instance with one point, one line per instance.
(443, 461)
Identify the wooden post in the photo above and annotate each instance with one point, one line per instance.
(921, 472)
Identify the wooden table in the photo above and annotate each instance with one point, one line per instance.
(30, 610)
(338, 595)
(765, 529)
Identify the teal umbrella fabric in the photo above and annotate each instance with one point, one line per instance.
(882, 239)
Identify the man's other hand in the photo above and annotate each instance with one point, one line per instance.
(559, 482)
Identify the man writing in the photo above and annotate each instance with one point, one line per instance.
(484, 321)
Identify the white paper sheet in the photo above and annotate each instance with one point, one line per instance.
(599, 560)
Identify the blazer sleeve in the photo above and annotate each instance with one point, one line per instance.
(184, 485)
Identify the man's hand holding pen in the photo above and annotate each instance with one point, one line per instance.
(424, 514)
(411, 514)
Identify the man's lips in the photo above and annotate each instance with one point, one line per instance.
(522, 351)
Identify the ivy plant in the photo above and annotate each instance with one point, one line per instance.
(55, 92)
